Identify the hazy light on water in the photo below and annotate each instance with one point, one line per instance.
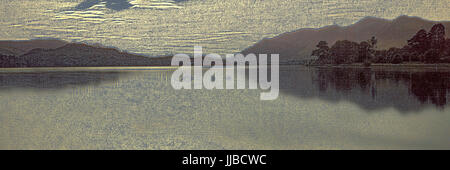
(120, 109)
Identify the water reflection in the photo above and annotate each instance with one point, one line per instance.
(408, 90)
(140, 110)
(55, 80)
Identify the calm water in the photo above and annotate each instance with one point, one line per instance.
(136, 108)
(160, 27)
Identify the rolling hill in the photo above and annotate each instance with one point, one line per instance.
(18, 48)
(83, 55)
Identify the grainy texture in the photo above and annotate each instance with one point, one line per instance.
(163, 27)
(118, 109)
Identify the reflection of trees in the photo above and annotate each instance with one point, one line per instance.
(55, 80)
(343, 79)
(426, 87)
(431, 87)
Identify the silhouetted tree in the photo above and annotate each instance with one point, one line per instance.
(10, 61)
(437, 37)
(446, 52)
(322, 48)
(420, 42)
(345, 52)
(394, 56)
(407, 55)
(432, 56)
(373, 43)
(373, 46)
(322, 52)
(426, 47)
(364, 51)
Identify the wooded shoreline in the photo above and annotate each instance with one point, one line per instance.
(387, 66)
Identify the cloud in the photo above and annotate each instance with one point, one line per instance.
(111, 4)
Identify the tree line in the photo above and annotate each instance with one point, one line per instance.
(424, 47)
(11, 61)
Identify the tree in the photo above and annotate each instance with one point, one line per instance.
(437, 37)
(394, 56)
(446, 52)
(373, 47)
(345, 52)
(322, 52)
(420, 42)
(373, 43)
(364, 51)
(322, 47)
(426, 47)
(432, 56)
(9, 61)
(407, 55)
(397, 59)
(380, 56)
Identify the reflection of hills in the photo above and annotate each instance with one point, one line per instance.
(54, 80)
(300, 43)
(370, 89)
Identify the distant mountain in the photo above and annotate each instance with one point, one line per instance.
(6, 52)
(18, 48)
(300, 43)
(83, 55)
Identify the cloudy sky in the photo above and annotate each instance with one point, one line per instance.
(160, 27)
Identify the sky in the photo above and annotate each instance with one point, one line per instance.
(162, 27)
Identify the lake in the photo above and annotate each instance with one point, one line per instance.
(137, 108)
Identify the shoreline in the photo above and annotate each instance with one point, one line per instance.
(377, 66)
(440, 66)
(88, 69)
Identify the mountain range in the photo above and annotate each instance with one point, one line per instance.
(300, 43)
(294, 45)
(57, 53)
(18, 48)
